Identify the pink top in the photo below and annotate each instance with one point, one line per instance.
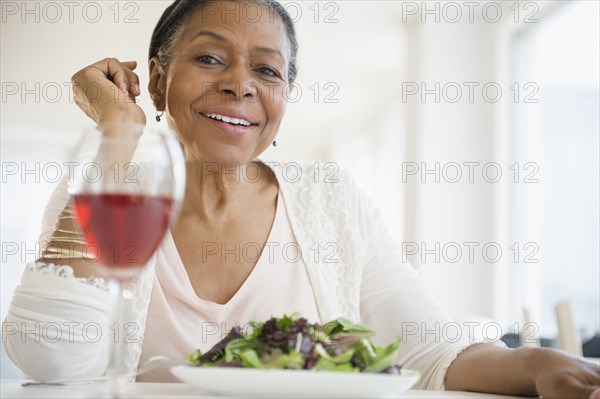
(201, 323)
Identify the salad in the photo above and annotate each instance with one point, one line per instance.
(291, 342)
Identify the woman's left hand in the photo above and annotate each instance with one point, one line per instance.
(559, 375)
(523, 371)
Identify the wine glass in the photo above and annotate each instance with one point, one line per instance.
(126, 188)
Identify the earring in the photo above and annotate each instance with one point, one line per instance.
(274, 143)
(159, 115)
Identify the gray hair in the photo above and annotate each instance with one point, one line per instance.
(172, 21)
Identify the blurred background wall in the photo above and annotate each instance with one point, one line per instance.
(472, 125)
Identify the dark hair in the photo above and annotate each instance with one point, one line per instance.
(176, 15)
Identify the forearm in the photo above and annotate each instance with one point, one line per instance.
(488, 368)
(57, 327)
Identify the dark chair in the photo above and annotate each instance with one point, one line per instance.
(591, 347)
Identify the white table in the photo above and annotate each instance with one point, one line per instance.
(13, 389)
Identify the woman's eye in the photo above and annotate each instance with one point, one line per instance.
(268, 72)
(207, 59)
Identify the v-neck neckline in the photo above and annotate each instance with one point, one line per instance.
(187, 283)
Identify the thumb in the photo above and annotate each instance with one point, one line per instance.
(595, 394)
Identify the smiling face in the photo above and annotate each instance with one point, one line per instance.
(223, 90)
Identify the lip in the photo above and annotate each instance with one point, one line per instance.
(232, 113)
(226, 128)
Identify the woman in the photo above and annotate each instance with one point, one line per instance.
(219, 81)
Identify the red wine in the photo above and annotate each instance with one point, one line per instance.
(122, 230)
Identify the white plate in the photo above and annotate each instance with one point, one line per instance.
(289, 383)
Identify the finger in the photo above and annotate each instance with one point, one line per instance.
(130, 64)
(117, 73)
(590, 392)
(570, 386)
(133, 82)
(120, 74)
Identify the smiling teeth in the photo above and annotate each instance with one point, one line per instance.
(227, 119)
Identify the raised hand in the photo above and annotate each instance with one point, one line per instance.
(106, 92)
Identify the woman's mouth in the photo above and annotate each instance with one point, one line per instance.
(227, 119)
(230, 125)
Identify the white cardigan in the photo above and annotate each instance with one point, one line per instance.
(355, 267)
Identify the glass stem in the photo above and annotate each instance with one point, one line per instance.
(117, 368)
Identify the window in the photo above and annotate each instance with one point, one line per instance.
(559, 135)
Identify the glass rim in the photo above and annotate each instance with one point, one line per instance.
(138, 128)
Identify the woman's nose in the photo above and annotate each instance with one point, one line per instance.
(238, 84)
(238, 91)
